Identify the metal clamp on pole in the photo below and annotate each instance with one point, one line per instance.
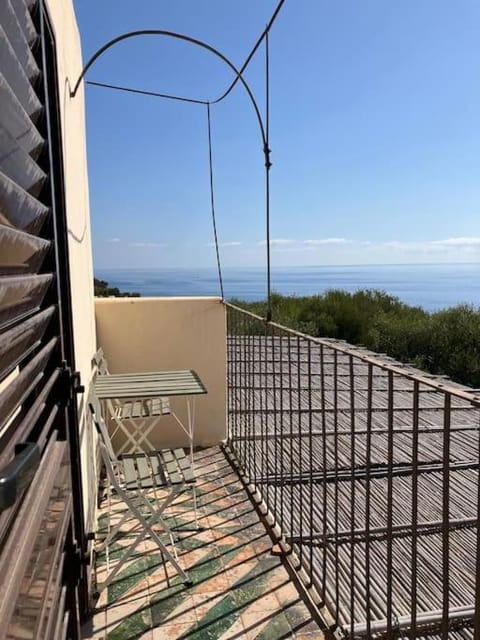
(17, 475)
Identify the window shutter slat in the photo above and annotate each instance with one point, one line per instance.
(20, 253)
(20, 388)
(51, 612)
(15, 75)
(23, 426)
(19, 341)
(19, 208)
(21, 295)
(22, 11)
(23, 544)
(21, 33)
(17, 165)
(40, 603)
(15, 120)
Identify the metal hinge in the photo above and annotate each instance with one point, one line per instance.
(76, 382)
(72, 378)
(72, 382)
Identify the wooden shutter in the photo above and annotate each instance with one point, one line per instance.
(39, 490)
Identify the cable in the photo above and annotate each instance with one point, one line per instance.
(268, 164)
(167, 96)
(212, 200)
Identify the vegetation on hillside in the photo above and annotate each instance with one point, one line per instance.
(445, 342)
(103, 290)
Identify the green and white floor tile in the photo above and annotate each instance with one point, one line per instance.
(240, 590)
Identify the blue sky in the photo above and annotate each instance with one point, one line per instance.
(375, 133)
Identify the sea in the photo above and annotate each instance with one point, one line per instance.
(431, 286)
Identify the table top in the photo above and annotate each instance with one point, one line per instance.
(149, 384)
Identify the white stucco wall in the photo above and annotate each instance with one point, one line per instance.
(151, 334)
(72, 112)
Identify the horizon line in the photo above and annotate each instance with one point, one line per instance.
(296, 266)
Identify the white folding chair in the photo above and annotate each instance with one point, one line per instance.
(100, 362)
(131, 477)
(137, 419)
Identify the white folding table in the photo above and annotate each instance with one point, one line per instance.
(115, 389)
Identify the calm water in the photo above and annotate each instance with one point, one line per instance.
(430, 286)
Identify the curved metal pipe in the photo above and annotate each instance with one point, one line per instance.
(226, 92)
(251, 54)
(178, 36)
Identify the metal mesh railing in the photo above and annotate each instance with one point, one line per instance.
(370, 469)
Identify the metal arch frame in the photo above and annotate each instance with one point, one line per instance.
(263, 35)
(264, 130)
(185, 38)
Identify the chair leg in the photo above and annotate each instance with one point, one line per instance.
(143, 433)
(160, 520)
(146, 525)
(109, 525)
(133, 438)
(128, 551)
(113, 531)
(120, 426)
(189, 431)
(156, 518)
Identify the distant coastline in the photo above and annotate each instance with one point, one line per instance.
(430, 286)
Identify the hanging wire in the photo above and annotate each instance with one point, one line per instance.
(212, 200)
(268, 164)
(167, 96)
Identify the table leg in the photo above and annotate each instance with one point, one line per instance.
(191, 433)
(191, 424)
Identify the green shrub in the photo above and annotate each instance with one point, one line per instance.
(446, 342)
(404, 334)
(456, 344)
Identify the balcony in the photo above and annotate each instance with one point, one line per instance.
(241, 589)
(345, 496)
(339, 489)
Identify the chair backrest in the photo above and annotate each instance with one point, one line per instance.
(100, 362)
(110, 460)
(113, 470)
(101, 427)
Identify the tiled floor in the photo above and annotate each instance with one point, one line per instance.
(240, 589)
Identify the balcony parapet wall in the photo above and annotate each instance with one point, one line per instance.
(150, 334)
